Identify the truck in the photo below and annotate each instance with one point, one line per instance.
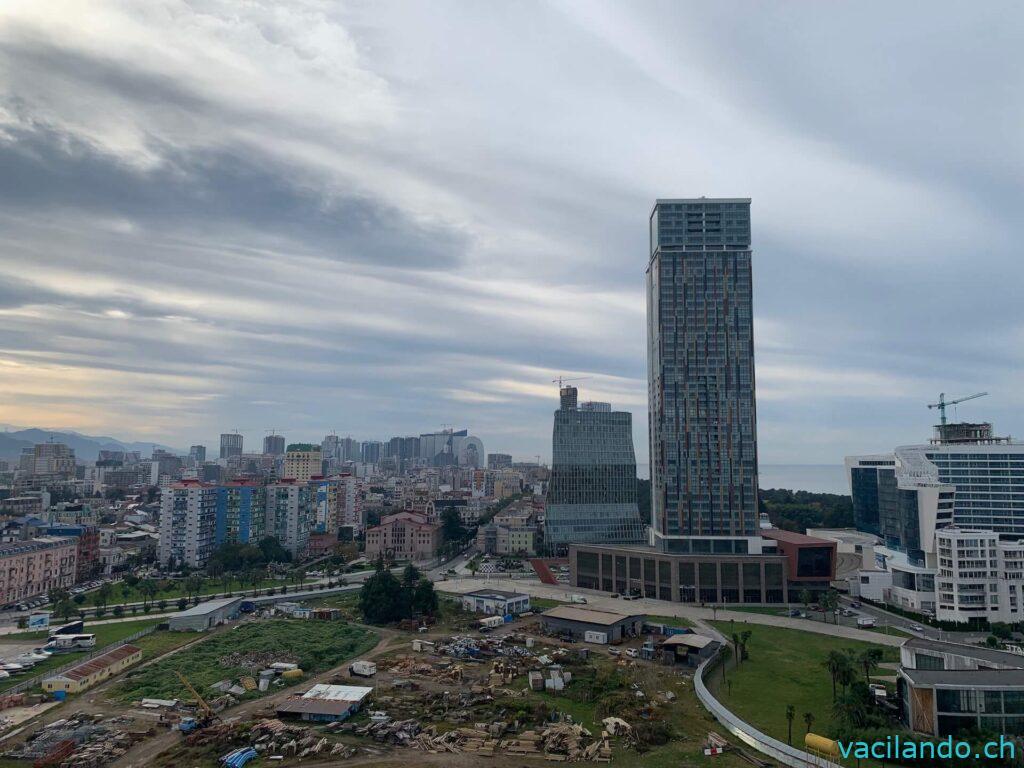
(362, 668)
(865, 622)
(577, 599)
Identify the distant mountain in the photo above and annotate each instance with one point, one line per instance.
(87, 447)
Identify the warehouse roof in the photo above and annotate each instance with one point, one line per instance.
(587, 615)
(989, 655)
(338, 692)
(496, 593)
(208, 607)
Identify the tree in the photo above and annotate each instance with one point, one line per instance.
(835, 663)
(451, 526)
(806, 597)
(65, 609)
(424, 598)
(126, 591)
(57, 595)
(182, 604)
(869, 659)
(119, 610)
(193, 585)
(381, 598)
(102, 596)
(744, 639)
(79, 598)
(808, 720)
(790, 714)
(829, 602)
(273, 552)
(131, 579)
(736, 649)
(148, 588)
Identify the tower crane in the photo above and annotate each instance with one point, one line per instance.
(943, 403)
(561, 379)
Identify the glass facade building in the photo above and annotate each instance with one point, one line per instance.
(592, 495)
(701, 371)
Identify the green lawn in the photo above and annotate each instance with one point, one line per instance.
(785, 667)
(315, 645)
(152, 645)
(175, 590)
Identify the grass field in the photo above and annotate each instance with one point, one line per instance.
(785, 667)
(152, 645)
(124, 594)
(315, 645)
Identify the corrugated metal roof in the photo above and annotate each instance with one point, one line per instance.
(99, 663)
(690, 640)
(327, 692)
(208, 607)
(588, 615)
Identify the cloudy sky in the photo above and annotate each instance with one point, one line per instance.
(380, 218)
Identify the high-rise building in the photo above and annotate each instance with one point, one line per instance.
(196, 455)
(592, 494)
(230, 445)
(188, 521)
(499, 461)
(372, 451)
(53, 459)
(302, 461)
(241, 512)
(273, 445)
(700, 336)
(290, 514)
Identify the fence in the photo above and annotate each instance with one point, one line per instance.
(32, 682)
(748, 734)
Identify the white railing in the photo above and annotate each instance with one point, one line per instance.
(748, 734)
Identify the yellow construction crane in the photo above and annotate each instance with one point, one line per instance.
(208, 715)
(943, 403)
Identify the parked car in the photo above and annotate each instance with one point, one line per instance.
(917, 627)
(855, 604)
(632, 653)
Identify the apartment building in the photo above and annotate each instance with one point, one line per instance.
(188, 523)
(303, 461)
(33, 567)
(290, 514)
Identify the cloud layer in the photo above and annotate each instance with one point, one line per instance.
(381, 218)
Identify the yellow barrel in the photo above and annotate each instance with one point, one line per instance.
(821, 744)
(292, 674)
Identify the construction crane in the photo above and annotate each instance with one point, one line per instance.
(943, 403)
(207, 715)
(561, 379)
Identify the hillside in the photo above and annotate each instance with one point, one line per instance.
(86, 447)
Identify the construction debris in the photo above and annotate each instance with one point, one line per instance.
(77, 742)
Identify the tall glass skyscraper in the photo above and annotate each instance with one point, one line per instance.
(592, 492)
(700, 358)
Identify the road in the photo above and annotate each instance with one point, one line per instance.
(601, 600)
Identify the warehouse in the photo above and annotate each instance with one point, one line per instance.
(573, 621)
(97, 669)
(688, 648)
(202, 617)
(496, 602)
(325, 703)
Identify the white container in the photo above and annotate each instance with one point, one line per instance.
(601, 638)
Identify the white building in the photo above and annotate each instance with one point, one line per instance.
(188, 519)
(980, 577)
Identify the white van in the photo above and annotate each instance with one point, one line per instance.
(865, 622)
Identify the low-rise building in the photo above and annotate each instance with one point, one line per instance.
(575, 621)
(204, 616)
(94, 671)
(496, 602)
(946, 688)
(325, 703)
(404, 536)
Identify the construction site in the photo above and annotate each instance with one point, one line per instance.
(266, 689)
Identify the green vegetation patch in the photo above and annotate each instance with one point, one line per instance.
(315, 646)
(785, 667)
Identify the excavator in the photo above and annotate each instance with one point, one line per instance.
(204, 715)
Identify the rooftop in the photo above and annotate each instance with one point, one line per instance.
(338, 692)
(690, 640)
(792, 537)
(495, 593)
(1010, 660)
(587, 615)
(99, 663)
(967, 678)
(207, 607)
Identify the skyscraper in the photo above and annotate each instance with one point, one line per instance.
(700, 360)
(592, 493)
(273, 445)
(230, 445)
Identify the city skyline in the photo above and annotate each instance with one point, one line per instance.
(343, 230)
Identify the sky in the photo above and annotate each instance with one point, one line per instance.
(380, 218)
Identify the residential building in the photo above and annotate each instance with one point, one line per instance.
(290, 514)
(702, 419)
(55, 459)
(499, 461)
(188, 523)
(592, 496)
(980, 577)
(87, 547)
(350, 504)
(303, 461)
(33, 567)
(372, 451)
(451, 448)
(230, 445)
(404, 536)
(241, 515)
(273, 445)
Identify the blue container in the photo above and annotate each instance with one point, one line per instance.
(60, 695)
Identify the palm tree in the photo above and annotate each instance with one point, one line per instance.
(834, 663)
(736, 648)
(808, 720)
(126, 590)
(869, 659)
(744, 638)
(104, 593)
(148, 589)
(790, 714)
(848, 672)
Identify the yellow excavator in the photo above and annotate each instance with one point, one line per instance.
(204, 714)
